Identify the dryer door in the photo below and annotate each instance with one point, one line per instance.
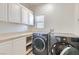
(39, 44)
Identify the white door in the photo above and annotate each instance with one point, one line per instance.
(25, 18)
(14, 13)
(3, 12)
(6, 48)
(19, 46)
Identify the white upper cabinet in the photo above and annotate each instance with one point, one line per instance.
(25, 16)
(31, 18)
(14, 13)
(3, 12)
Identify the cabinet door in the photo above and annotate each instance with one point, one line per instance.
(6, 48)
(25, 18)
(3, 12)
(31, 18)
(14, 13)
(19, 46)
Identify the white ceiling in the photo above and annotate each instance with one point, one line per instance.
(32, 6)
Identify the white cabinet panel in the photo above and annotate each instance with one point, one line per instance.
(13, 47)
(31, 18)
(25, 18)
(14, 13)
(3, 12)
(19, 46)
(6, 48)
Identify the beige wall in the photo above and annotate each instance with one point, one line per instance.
(77, 19)
(60, 17)
(10, 27)
(63, 17)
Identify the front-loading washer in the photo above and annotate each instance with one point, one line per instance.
(40, 43)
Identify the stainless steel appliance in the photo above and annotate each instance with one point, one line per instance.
(40, 43)
(63, 47)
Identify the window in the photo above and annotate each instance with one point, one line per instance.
(39, 20)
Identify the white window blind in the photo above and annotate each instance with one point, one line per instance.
(39, 20)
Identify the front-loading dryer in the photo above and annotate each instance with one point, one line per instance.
(40, 43)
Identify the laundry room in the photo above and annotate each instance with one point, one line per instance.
(57, 24)
(39, 28)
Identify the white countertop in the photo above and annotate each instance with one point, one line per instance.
(66, 35)
(9, 36)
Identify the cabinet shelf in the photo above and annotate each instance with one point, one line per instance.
(28, 39)
(29, 43)
(30, 53)
(29, 50)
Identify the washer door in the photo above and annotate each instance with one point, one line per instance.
(39, 44)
